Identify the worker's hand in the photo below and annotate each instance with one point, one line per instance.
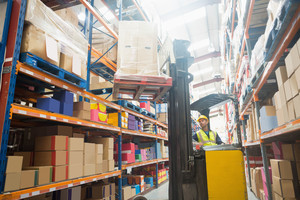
(200, 144)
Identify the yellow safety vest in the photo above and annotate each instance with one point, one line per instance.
(202, 137)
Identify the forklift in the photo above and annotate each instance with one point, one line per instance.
(213, 172)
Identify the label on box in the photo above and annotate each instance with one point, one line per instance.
(76, 65)
(51, 48)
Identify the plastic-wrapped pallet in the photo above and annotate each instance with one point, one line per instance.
(58, 41)
(137, 49)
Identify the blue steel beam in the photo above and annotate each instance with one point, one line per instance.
(5, 33)
(9, 78)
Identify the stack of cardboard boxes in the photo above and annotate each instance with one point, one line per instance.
(128, 153)
(103, 191)
(137, 49)
(288, 80)
(252, 127)
(99, 158)
(82, 110)
(44, 37)
(76, 147)
(108, 151)
(89, 162)
(53, 151)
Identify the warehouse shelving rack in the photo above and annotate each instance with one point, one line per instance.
(8, 109)
(286, 131)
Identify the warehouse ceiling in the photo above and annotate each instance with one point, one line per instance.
(198, 21)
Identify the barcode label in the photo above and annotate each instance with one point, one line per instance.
(35, 193)
(43, 116)
(29, 72)
(51, 117)
(65, 87)
(22, 112)
(65, 120)
(48, 80)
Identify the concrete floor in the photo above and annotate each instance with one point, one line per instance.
(161, 193)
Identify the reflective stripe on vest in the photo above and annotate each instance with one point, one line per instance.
(203, 138)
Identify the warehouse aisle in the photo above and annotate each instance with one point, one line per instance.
(161, 193)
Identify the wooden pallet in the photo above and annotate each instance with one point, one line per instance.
(51, 69)
(138, 87)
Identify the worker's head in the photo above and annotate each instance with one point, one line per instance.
(203, 121)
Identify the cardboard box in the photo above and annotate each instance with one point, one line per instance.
(291, 110)
(108, 142)
(277, 100)
(281, 169)
(75, 171)
(69, 194)
(291, 151)
(27, 158)
(52, 130)
(126, 192)
(78, 135)
(14, 164)
(34, 41)
(111, 165)
(281, 75)
(278, 197)
(12, 181)
(105, 166)
(108, 154)
(48, 143)
(89, 153)
(99, 158)
(297, 75)
(44, 174)
(99, 148)
(282, 94)
(296, 101)
(66, 108)
(60, 173)
(268, 119)
(292, 61)
(68, 15)
(100, 190)
(48, 104)
(99, 168)
(287, 90)
(257, 181)
(294, 86)
(82, 105)
(28, 178)
(75, 157)
(82, 114)
(283, 187)
(89, 169)
(47, 158)
(76, 144)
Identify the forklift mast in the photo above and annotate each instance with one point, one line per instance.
(188, 174)
(180, 138)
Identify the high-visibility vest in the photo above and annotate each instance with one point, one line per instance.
(203, 138)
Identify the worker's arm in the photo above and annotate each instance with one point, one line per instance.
(218, 140)
(196, 141)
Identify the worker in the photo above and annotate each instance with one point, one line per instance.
(205, 136)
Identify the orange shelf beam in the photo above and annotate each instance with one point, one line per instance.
(99, 18)
(140, 164)
(56, 186)
(35, 73)
(104, 59)
(37, 113)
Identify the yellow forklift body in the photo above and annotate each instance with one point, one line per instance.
(225, 175)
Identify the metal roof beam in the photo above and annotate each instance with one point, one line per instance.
(188, 8)
(208, 82)
(207, 56)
